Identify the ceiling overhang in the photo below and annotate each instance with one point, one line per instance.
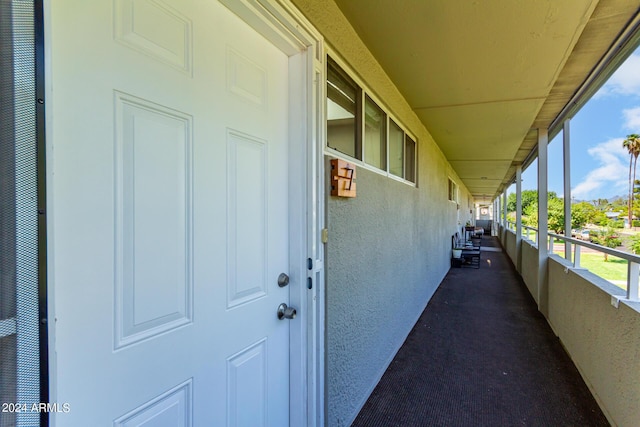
(484, 76)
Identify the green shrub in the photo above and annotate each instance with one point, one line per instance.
(597, 239)
(635, 223)
(613, 242)
(606, 237)
(616, 224)
(635, 244)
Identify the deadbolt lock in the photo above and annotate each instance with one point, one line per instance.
(283, 280)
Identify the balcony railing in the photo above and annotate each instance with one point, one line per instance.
(529, 233)
(633, 261)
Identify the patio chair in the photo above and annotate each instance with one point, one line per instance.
(470, 255)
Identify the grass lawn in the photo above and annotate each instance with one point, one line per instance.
(614, 270)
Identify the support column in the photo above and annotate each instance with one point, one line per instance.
(566, 155)
(519, 218)
(543, 222)
(495, 215)
(504, 209)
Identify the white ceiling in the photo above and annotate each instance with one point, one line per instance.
(483, 75)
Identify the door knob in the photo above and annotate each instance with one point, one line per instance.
(285, 312)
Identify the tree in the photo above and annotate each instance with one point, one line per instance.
(610, 242)
(556, 215)
(529, 197)
(608, 238)
(555, 212)
(583, 213)
(632, 144)
(600, 218)
(530, 215)
(601, 203)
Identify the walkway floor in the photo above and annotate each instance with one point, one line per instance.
(481, 354)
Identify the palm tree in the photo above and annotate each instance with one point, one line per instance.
(632, 144)
(636, 151)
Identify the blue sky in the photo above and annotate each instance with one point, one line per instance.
(599, 163)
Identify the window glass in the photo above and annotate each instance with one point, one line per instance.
(396, 149)
(375, 135)
(453, 191)
(343, 99)
(410, 159)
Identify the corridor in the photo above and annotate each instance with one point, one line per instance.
(481, 354)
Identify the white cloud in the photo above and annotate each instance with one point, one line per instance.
(611, 177)
(626, 79)
(632, 119)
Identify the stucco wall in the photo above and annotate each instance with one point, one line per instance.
(603, 341)
(529, 271)
(503, 236)
(388, 248)
(509, 245)
(384, 262)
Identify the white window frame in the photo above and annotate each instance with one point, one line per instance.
(452, 187)
(364, 92)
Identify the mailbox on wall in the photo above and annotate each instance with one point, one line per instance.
(343, 178)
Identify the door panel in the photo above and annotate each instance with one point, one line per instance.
(153, 272)
(247, 228)
(170, 215)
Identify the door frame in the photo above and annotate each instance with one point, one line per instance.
(283, 25)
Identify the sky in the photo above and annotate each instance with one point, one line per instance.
(599, 163)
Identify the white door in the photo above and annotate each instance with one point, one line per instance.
(168, 145)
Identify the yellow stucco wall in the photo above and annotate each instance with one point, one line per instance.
(529, 271)
(603, 341)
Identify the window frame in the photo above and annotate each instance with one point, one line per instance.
(452, 190)
(392, 125)
(414, 157)
(339, 70)
(383, 129)
(343, 70)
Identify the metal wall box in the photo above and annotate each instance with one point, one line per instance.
(343, 178)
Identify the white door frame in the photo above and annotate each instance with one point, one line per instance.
(284, 26)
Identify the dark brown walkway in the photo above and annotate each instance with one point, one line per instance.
(481, 354)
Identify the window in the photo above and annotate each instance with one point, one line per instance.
(375, 135)
(359, 128)
(453, 191)
(410, 159)
(343, 109)
(396, 149)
